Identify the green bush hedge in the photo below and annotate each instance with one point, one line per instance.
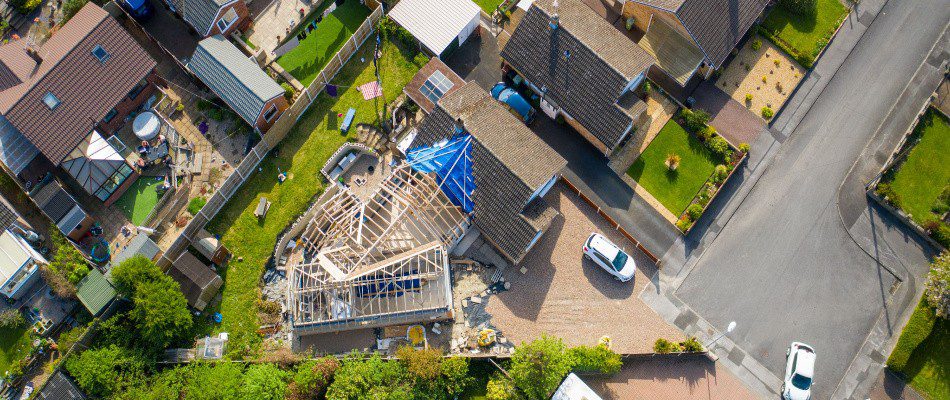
(595, 359)
(800, 7)
(195, 205)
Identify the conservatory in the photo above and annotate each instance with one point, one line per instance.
(97, 166)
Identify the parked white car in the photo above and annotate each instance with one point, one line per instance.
(608, 256)
(799, 372)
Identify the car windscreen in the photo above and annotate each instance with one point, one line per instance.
(620, 261)
(801, 382)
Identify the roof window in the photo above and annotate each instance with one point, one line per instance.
(101, 53)
(436, 86)
(50, 100)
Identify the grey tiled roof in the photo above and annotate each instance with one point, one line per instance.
(200, 13)
(718, 25)
(234, 77)
(60, 387)
(509, 163)
(194, 277)
(584, 65)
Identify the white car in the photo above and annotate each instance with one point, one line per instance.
(609, 257)
(799, 371)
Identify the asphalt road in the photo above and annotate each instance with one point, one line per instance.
(784, 266)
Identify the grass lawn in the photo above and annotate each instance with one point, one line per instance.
(674, 189)
(488, 6)
(926, 171)
(806, 35)
(14, 345)
(312, 141)
(922, 354)
(140, 199)
(306, 60)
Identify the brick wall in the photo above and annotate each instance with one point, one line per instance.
(127, 105)
(240, 7)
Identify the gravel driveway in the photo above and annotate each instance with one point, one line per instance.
(566, 296)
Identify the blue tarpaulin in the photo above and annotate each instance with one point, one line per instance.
(451, 160)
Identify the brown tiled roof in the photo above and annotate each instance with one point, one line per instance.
(87, 88)
(194, 277)
(413, 88)
(509, 162)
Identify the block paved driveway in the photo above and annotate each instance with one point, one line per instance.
(732, 120)
(564, 295)
(682, 377)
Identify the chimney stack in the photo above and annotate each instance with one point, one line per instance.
(35, 55)
(459, 126)
(554, 17)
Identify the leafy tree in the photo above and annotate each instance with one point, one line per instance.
(108, 370)
(67, 260)
(595, 359)
(370, 378)
(538, 367)
(501, 388)
(132, 272)
(11, 319)
(221, 381)
(68, 338)
(312, 378)
(938, 285)
(695, 120)
(433, 376)
(264, 382)
(161, 312)
(168, 384)
(70, 8)
(805, 8)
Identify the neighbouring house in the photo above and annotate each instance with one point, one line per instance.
(60, 387)
(62, 209)
(573, 388)
(95, 292)
(59, 102)
(212, 17)
(198, 281)
(433, 81)
(239, 81)
(19, 262)
(582, 68)
(692, 37)
(500, 169)
(441, 26)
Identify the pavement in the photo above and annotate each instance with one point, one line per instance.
(794, 251)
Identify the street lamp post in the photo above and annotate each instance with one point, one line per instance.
(730, 328)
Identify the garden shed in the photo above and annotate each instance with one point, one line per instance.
(440, 25)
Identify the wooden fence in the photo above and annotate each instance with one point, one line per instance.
(285, 123)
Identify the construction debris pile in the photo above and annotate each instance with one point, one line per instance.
(472, 331)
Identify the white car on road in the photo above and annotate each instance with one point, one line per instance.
(799, 371)
(609, 257)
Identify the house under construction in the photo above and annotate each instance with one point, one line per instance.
(372, 257)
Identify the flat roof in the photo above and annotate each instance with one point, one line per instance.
(435, 23)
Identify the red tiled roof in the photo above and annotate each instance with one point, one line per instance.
(87, 88)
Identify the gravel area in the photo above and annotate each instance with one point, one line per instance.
(744, 76)
(670, 377)
(563, 295)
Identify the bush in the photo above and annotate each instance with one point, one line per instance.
(399, 35)
(501, 388)
(215, 114)
(684, 223)
(719, 146)
(57, 282)
(767, 112)
(312, 379)
(942, 235)
(744, 147)
(663, 346)
(806, 8)
(694, 120)
(195, 205)
(538, 367)
(748, 97)
(106, 371)
(720, 174)
(264, 382)
(691, 345)
(694, 211)
(25, 6)
(161, 313)
(595, 359)
(70, 8)
(937, 290)
(672, 162)
(67, 260)
(370, 378)
(431, 375)
(706, 133)
(756, 45)
(288, 91)
(68, 338)
(11, 319)
(215, 381)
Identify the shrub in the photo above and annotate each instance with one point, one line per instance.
(694, 119)
(720, 174)
(203, 105)
(372, 378)
(57, 282)
(106, 371)
(501, 388)
(195, 205)
(777, 63)
(538, 367)
(161, 313)
(672, 162)
(70, 8)
(663, 346)
(719, 146)
(68, 338)
(937, 290)
(11, 319)
(942, 235)
(288, 91)
(691, 345)
(595, 359)
(433, 376)
(748, 97)
(756, 45)
(398, 34)
(767, 113)
(215, 381)
(694, 211)
(706, 133)
(264, 382)
(744, 147)
(312, 378)
(765, 79)
(804, 8)
(887, 192)
(25, 6)
(684, 223)
(215, 114)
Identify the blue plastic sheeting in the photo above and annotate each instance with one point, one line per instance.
(387, 288)
(451, 160)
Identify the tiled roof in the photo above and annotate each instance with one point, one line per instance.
(718, 25)
(54, 201)
(60, 387)
(95, 292)
(509, 163)
(194, 277)
(200, 13)
(232, 76)
(668, 5)
(584, 65)
(7, 215)
(140, 245)
(86, 88)
(413, 89)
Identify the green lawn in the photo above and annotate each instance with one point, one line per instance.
(926, 171)
(674, 189)
(14, 345)
(922, 353)
(806, 35)
(306, 60)
(488, 6)
(313, 140)
(140, 199)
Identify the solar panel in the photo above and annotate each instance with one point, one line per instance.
(436, 86)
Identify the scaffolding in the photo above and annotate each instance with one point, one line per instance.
(379, 261)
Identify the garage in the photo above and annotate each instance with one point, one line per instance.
(441, 26)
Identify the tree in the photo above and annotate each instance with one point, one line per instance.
(938, 285)
(501, 388)
(264, 382)
(312, 378)
(369, 378)
(11, 319)
(595, 359)
(161, 312)
(132, 272)
(221, 381)
(806, 8)
(432, 376)
(70, 8)
(537, 368)
(168, 384)
(67, 260)
(106, 371)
